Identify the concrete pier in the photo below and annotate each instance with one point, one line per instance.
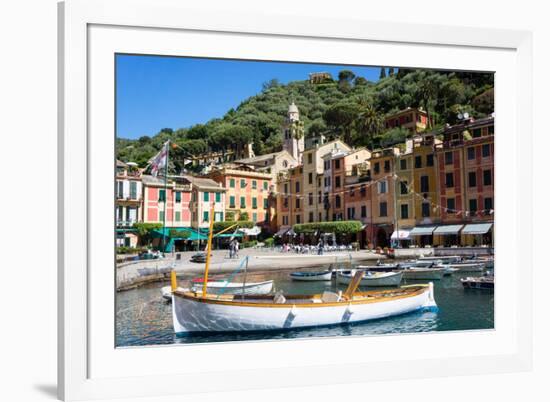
(131, 275)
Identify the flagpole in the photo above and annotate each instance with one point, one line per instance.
(167, 145)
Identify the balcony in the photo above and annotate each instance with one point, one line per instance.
(125, 224)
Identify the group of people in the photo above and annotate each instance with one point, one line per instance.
(301, 248)
(234, 248)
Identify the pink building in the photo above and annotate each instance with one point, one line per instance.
(178, 198)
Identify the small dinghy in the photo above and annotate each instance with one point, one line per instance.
(371, 278)
(311, 276)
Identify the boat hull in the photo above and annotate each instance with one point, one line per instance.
(325, 276)
(469, 267)
(386, 279)
(424, 274)
(235, 288)
(476, 283)
(195, 315)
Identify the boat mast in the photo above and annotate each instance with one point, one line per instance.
(208, 250)
(167, 145)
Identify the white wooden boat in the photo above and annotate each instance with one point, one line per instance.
(468, 266)
(311, 276)
(166, 292)
(371, 278)
(445, 259)
(423, 273)
(200, 311)
(194, 313)
(447, 270)
(232, 288)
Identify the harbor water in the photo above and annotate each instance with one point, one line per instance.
(144, 318)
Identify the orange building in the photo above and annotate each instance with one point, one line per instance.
(290, 198)
(383, 213)
(413, 119)
(466, 177)
(247, 192)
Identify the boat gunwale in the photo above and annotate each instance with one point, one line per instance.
(409, 291)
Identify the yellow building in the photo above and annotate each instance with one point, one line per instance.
(313, 177)
(290, 198)
(247, 191)
(383, 216)
(406, 200)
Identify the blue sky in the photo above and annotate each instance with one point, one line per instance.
(154, 92)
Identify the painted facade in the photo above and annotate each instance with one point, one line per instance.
(128, 194)
(413, 119)
(247, 191)
(178, 199)
(314, 183)
(466, 176)
(381, 226)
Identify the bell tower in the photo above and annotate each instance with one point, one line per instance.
(293, 133)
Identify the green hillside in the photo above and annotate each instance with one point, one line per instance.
(348, 107)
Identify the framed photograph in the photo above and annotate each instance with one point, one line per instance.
(242, 192)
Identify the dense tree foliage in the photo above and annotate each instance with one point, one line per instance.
(337, 227)
(351, 108)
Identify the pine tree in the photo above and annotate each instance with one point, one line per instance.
(382, 72)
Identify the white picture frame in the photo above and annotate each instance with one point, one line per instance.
(92, 31)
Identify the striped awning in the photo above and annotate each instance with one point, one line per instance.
(447, 229)
(477, 228)
(422, 231)
(282, 231)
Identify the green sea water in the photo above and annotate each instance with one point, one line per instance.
(144, 318)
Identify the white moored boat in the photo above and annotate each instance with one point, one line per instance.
(233, 288)
(194, 313)
(424, 273)
(311, 276)
(469, 266)
(166, 292)
(372, 278)
(200, 312)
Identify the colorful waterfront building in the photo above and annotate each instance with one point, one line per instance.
(289, 199)
(338, 165)
(168, 205)
(466, 182)
(204, 193)
(357, 200)
(314, 184)
(128, 201)
(383, 216)
(247, 191)
(425, 188)
(413, 119)
(405, 198)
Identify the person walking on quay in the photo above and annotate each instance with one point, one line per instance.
(320, 247)
(236, 251)
(231, 248)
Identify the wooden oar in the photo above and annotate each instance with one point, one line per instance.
(353, 285)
